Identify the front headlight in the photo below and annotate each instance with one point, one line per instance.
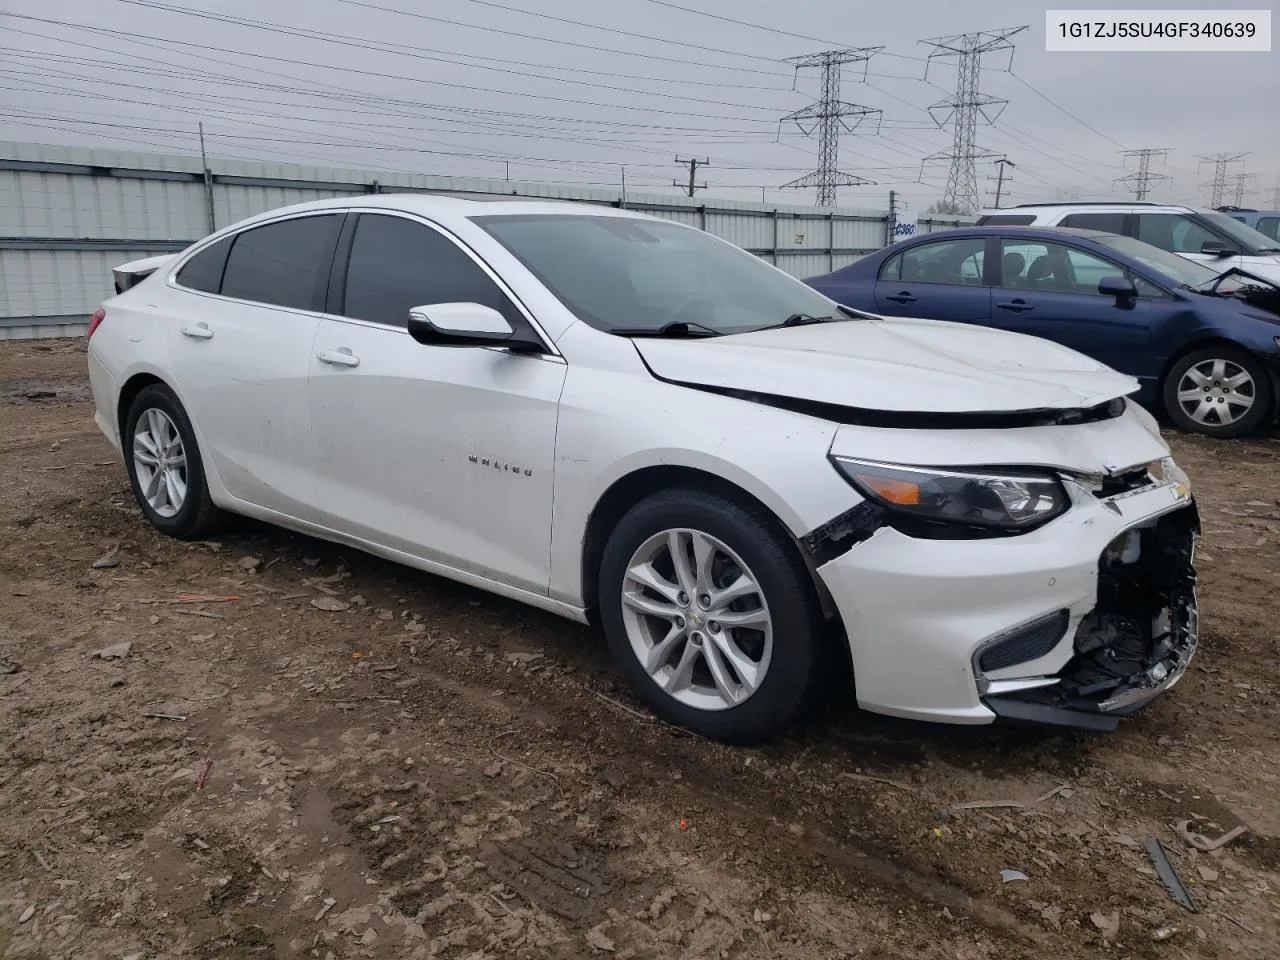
(1005, 500)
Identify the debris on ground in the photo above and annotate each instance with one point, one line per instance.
(8, 667)
(110, 559)
(1108, 924)
(1009, 876)
(1168, 875)
(330, 604)
(1202, 843)
(117, 651)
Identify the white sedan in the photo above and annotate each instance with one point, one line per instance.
(629, 422)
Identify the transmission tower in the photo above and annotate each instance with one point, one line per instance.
(1220, 161)
(828, 116)
(1140, 182)
(1275, 197)
(963, 109)
(693, 164)
(1237, 183)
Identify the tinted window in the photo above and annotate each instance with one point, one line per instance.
(204, 271)
(1269, 227)
(397, 264)
(285, 264)
(1007, 220)
(1109, 222)
(1052, 267)
(1173, 232)
(957, 261)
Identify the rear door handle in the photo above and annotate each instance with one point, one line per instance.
(338, 358)
(903, 297)
(1015, 306)
(200, 331)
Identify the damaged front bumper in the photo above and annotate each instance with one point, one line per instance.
(1076, 623)
(1136, 643)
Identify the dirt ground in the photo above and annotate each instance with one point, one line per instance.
(421, 770)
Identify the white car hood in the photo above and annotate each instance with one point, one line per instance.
(895, 365)
(1267, 267)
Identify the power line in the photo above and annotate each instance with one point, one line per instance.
(1064, 111)
(963, 109)
(828, 116)
(1142, 179)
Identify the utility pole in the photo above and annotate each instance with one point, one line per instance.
(827, 117)
(693, 164)
(1218, 187)
(1002, 163)
(964, 108)
(623, 204)
(891, 222)
(1142, 180)
(208, 179)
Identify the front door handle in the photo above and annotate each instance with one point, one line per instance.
(338, 358)
(1015, 306)
(200, 331)
(903, 297)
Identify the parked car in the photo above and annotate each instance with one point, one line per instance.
(1206, 236)
(1204, 352)
(1266, 222)
(628, 421)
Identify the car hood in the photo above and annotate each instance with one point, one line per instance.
(893, 365)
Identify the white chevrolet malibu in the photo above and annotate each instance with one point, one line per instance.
(629, 422)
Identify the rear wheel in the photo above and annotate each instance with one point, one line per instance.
(165, 469)
(1219, 391)
(711, 616)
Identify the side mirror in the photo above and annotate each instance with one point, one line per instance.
(1121, 288)
(1216, 248)
(463, 325)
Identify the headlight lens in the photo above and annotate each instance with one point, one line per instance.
(1007, 501)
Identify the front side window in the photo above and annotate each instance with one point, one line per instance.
(619, 273)
(283, 264)
(1269, 227)
(1052, 267)
(203, 272)
(957, 261)
(1173, 232)
(397, 264)
(1178, 271)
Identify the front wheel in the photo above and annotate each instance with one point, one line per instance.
(1219, 391)
(710, 615)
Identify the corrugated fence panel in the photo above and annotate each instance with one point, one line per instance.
(803, 233)
(57, 283)
(805, 265)
(233, 202)
(858, 234)
(746, 230)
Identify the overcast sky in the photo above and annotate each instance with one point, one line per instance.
(478, 88)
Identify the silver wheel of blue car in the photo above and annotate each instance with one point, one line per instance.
(1217, 392)
(1220, 390)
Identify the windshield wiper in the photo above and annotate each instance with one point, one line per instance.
(678, 328)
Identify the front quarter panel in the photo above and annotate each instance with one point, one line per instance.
(616, 419)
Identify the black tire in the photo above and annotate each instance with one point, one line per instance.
(797, 664)
(1264, 392)
(197, 517)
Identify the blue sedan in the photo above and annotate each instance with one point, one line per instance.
(1200, 343)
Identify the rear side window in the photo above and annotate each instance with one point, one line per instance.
(1173, 232)
(1006, 220)
(203, 272)
(1269, 226)
(1106, 222)
(954, 261)
(397, 264)
(284, 264)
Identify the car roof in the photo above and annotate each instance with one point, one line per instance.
(1010, 230)
(446, 206)
(1099, 206)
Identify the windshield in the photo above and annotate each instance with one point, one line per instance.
(1250, 240)
(1175, 269)
(617, 273)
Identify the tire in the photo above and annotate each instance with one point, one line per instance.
(157, 408)
(1196, 371)
(778, 670)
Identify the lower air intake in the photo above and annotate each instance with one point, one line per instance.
(1026, 643)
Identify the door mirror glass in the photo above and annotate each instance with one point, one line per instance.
(1216, 248)
(459, 324)
(1119, 287)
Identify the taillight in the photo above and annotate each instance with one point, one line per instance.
(98, 316)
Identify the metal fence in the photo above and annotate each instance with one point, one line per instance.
(68, 215)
